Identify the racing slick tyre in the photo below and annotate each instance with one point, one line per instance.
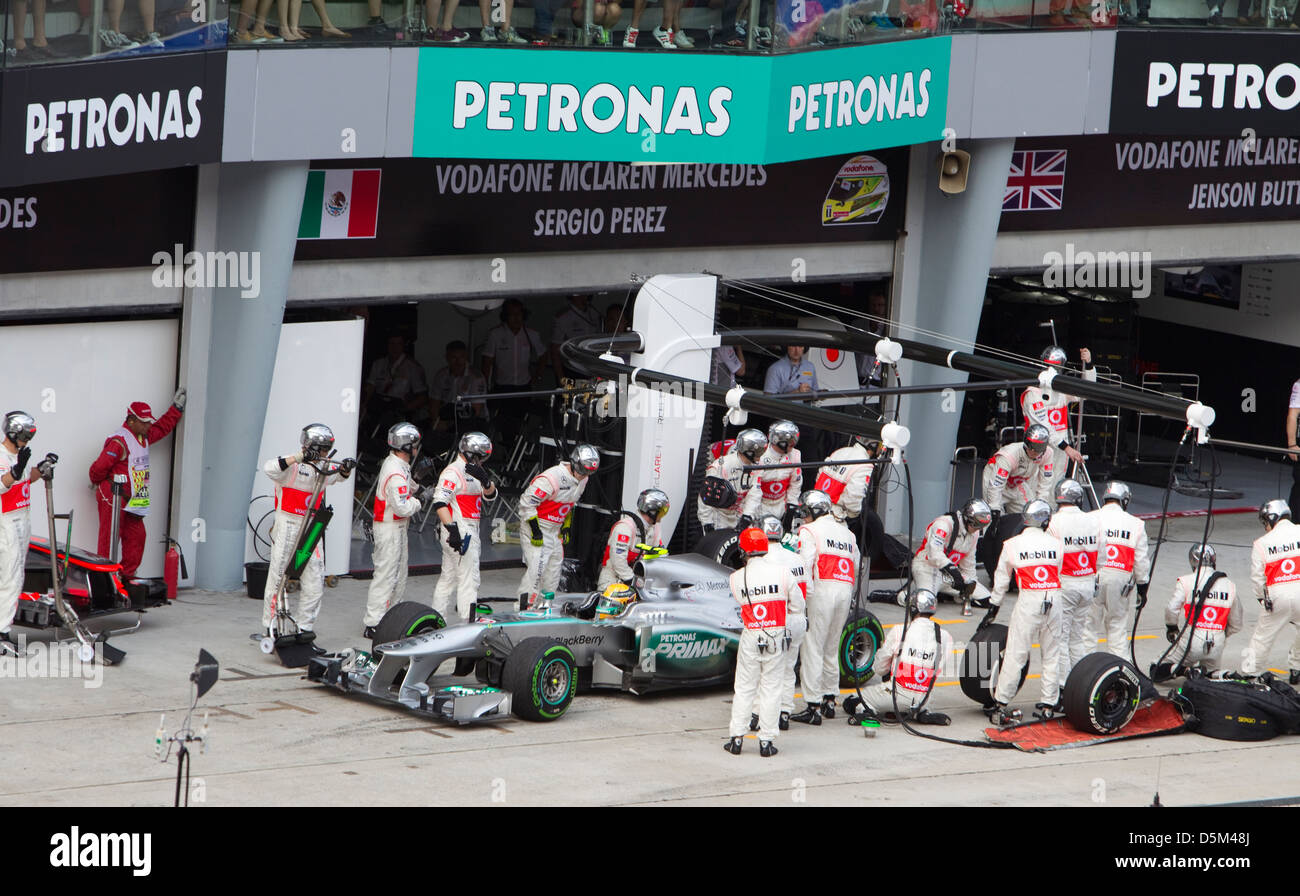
(542, 677)
(404, 620)
(982, 662)
(1102, 693)
(1238, 710)
(859, 640)
(722, 546)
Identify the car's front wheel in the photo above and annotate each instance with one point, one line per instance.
(541, 675)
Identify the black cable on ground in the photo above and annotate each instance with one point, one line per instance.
(1203, 592)
(1164, 519)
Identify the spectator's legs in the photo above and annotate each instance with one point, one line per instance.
(146, 16)
(295, 16)
(485, 13)
(449, 14)
(543, 18)
(263, 10)
(20, 22)
(638, 7)
(613, 12)
(729, 10)
(115, 8)
(326, 26)
(286, 30)
(672, 11)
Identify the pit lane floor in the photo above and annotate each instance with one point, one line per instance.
(278, 740)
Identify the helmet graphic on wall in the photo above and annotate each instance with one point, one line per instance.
(859, 194)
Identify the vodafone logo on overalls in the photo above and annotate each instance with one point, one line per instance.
(1040, 573)
(1209, 614)
(1112, 552)
(1288, 566)
(846, 566)
(760, 612)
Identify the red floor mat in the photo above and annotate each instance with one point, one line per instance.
(1158, 717)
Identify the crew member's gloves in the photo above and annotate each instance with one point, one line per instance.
(993, 522)
(479, 472)
(745, 522)
(967, 589)
(453, 536)
(179, 400)
(24, 455)
(1171, 633)
(788, 520)
(1142, 594)
(566, 528)
(991, 615)
(347, 466)
(953, 572)
(46, 467)
(534, 532)
(706, 528)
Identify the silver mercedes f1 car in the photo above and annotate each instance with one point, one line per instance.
(677, 626)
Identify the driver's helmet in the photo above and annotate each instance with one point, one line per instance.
(614, 600)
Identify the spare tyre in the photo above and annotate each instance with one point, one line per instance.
(722, 546)
(1102, 693)
(1238, 710)
(982, 662)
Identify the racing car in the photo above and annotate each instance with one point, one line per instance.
(675, 627)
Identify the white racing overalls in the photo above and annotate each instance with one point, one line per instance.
(1275, 575)
(913, 666)
(394, 508)
(846, 484)
(727, 467)
(767, 593)
(1052, 410)
(549, 498)
(776, 489)
(1122, 558)
(1219, 618)
(1033, 558)
(294, 483)
(622, 551)
(1078, 533)
(15, 533)
(463, 495)
(831, 556)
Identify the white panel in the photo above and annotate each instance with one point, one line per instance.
(317, 380)
(77, 380)
(674, 315)
(314, 281)
(57, 292)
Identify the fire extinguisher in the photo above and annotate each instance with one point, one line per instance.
(173, 567)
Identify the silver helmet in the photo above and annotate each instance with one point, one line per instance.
(19, 427)
(783, 435)
(1069, 492)
(1274, 510)
(923, 603)
(317, 438)
(476, 447)
(976, 514)
(1054, 355)
(653, 503)
(750, 443)
(771, 526)
(404, 437)
(814, 504)
(584, 460)
(1037, 514)
(1117, 491)
(1202, 554)
(1037, 438)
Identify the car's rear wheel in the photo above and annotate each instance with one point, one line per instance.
(722, 546)
(541, 675)
(859, 640)
(404, 620)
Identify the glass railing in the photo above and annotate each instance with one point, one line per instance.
(46, 31)
(41, 32)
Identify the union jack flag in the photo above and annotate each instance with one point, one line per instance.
(1036, 181)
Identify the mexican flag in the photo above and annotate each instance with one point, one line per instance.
(340, 204)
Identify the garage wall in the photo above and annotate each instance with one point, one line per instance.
(77, 380)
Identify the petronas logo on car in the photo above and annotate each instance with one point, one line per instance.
(687, 647)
